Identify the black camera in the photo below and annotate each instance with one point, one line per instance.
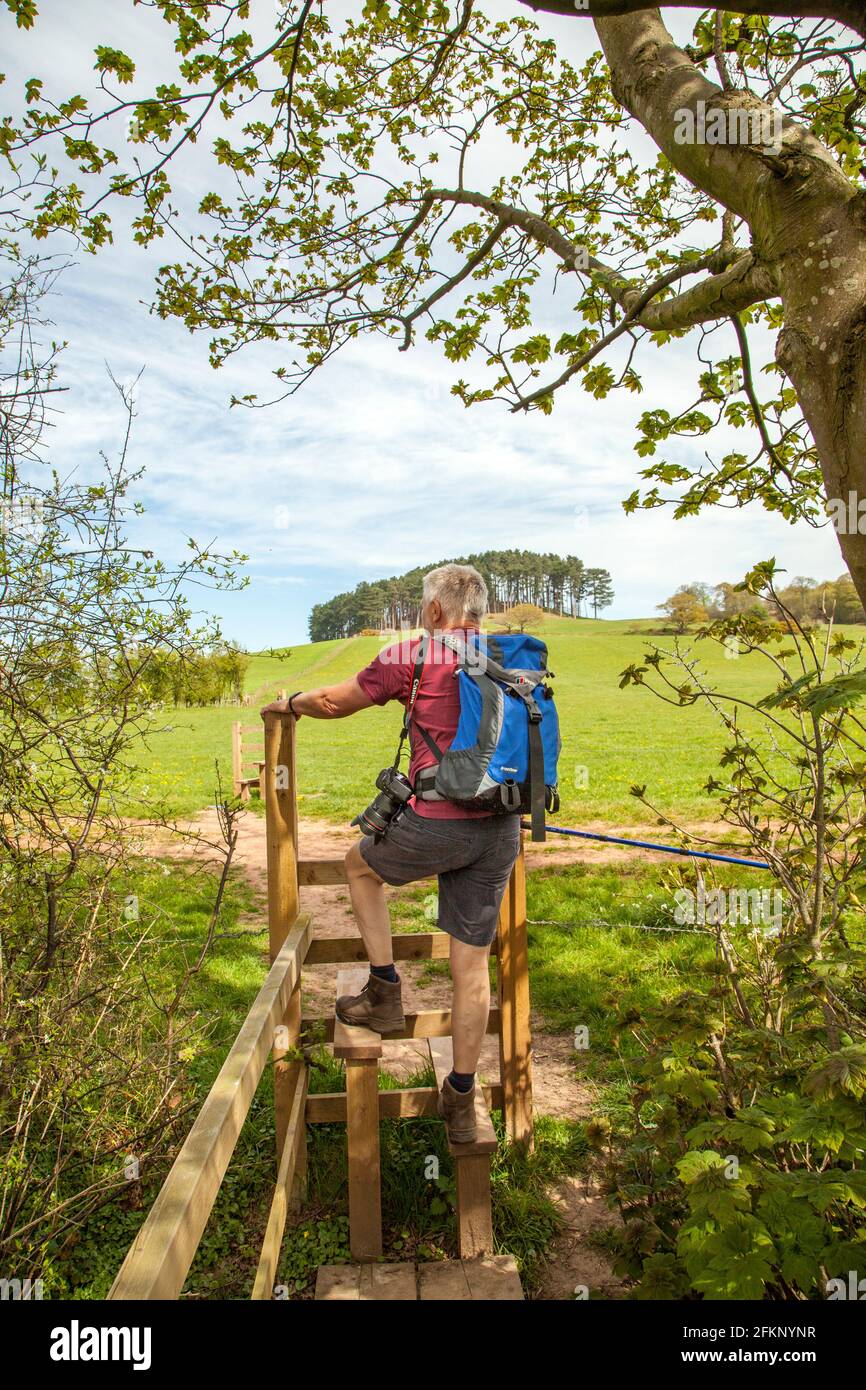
(394, 792)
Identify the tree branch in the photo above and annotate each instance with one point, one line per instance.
(845, 12)
(740, 279)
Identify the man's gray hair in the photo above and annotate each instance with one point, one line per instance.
(461, 591)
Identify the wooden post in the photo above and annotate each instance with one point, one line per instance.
(237, 765)
(281, 828)
(362, 1138)
(515, 1038)
(474, 1220)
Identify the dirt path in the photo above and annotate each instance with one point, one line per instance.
(557, 1091)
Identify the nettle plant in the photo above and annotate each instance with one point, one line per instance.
(743, 1174)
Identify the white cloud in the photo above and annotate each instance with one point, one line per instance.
(374, 466)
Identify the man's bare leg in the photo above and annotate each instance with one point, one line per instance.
(379, 1005)
(367, 892)
(471, 1002)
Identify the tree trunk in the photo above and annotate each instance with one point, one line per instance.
(808, 225)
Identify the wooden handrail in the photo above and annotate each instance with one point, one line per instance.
(159, 1258)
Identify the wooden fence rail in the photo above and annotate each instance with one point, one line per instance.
(160, 1256)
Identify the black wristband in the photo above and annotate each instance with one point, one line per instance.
(291, 698)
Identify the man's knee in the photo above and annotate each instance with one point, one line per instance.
(469, 964)
(356, 864)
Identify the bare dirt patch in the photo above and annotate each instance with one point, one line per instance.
(577, 1264)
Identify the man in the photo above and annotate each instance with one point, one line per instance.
(472, 852)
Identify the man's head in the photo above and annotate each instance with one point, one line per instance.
(453, 596)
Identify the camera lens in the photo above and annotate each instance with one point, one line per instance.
(378, 815)
(395, 792)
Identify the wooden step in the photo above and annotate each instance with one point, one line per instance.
(350, 1040)
(427, 1023)
(489, 1278)
(442, 1058)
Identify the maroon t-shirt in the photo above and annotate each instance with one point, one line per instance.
(437, 707)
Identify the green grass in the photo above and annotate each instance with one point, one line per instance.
(621, 737)
(176, 903)
(592, 965)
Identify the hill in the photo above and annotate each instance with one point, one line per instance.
(612, 738)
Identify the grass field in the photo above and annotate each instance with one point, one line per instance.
(590, 962)
(612, 738)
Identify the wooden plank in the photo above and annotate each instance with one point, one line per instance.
(408, 1103)
(515, 1035)
(351, 1040)
(429, 1023)
(393, 1283)
(421, 945)
(442, 1058)
(474, 1215)
(295, 1142)
(321, 873)
(362, 1140)
(443, 1280)
(157, 1262)
(493, 1279)
(338, 1283)
(487, 1278)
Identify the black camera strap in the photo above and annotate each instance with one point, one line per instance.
(415, 682)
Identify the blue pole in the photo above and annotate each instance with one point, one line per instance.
(646, 844)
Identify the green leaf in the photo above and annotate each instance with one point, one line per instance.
(116, 61)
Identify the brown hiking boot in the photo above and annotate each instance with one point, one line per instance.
(379, 1006)
(458, 1111)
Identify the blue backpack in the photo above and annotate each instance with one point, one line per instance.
(503, 756)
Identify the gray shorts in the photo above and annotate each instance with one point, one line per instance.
(472, 858)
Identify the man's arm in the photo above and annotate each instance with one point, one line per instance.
(328, 702)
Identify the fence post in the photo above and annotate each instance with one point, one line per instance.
(515, 1036)
(281, 828)
(237, 766)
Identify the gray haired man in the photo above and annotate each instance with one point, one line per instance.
(471, 852)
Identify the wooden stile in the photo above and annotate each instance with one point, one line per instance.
(157, 1263)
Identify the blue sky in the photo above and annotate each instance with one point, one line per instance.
(373, 467)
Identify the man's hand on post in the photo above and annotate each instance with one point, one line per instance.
(279, 707)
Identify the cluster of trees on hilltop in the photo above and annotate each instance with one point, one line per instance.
(554, 583)
(809, 601)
